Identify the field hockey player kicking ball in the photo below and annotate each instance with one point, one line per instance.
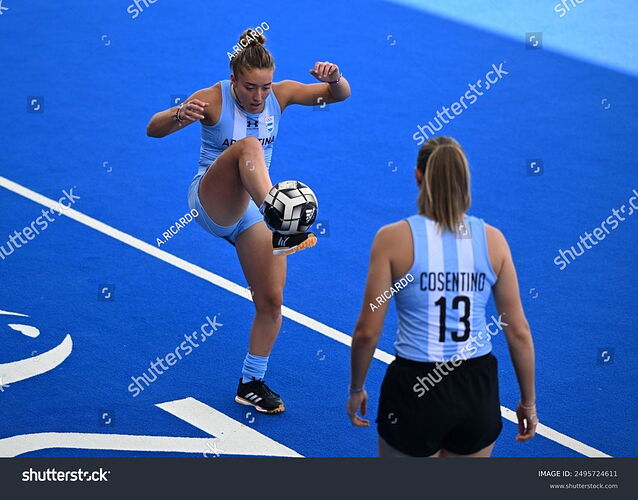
(239, 121)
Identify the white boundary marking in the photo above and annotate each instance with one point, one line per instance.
(233, 287)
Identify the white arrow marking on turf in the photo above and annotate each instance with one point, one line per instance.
(233, 437)
(17, 445)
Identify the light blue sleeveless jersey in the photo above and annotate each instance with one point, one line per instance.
(234, 124)
(443, 308)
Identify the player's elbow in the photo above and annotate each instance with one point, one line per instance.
(338, 95)
(365, 334)
(343, 97)
(153, 128)
(151, 131)
(519, 331)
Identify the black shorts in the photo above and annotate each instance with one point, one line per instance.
(460, 413)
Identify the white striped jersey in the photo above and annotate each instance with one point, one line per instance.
(443, 308)
(235, 123)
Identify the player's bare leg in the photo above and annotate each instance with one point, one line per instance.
(266, 275)
(239, 174)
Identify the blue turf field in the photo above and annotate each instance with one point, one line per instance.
(102, 75)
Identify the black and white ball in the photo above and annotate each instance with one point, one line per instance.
(290, 207)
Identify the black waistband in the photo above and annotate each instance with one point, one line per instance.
(431, 365)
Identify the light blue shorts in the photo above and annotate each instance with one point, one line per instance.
(230, 233)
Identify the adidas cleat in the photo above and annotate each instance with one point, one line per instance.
(256, 393)
(286, 244)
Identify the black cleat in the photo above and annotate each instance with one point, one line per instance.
(256, 393)
(286, 244)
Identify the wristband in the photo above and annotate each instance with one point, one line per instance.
(337, 80)
(180, 120)
(527, 407)
(356, 390)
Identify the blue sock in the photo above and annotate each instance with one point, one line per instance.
(254, 367)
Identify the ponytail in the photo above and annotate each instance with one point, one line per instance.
(444, 194)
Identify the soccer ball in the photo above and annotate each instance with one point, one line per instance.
(290, 207)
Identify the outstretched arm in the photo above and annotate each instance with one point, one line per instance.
(334, 89)
(195, 108)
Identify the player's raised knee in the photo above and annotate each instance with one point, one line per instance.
(249, 143)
